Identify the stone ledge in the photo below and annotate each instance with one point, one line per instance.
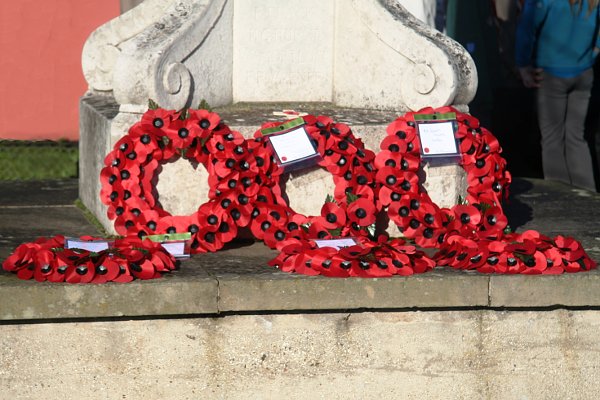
(239, 281)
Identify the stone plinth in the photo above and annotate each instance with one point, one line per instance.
(365, 57)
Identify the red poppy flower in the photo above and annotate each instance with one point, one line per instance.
(362, 212)
(158, 118)
(106, 270)
(333, 216)
(206, 120)
(494, 221)
(467, 216)
(394, 144)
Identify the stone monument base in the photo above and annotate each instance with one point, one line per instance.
(182, 187)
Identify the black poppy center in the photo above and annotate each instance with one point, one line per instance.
(404, 211)
(183, 133)
(279, 235)
(360, 213)
(209, 237)
(81, 270)
(414, 223)
(101, 270)
(225, 203)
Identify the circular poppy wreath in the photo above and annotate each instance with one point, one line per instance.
(163, 136)
(127, 259)
(352, 211)
(412, 209)
(470, 235)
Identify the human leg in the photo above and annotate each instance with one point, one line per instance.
(577, 150)
(552, 109)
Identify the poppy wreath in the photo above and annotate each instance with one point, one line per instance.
(470, 235)
(46, 259)
(414, 212)
(163, 136)
(529, 253)
(351, 211)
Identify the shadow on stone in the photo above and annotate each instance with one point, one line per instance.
(517, 212)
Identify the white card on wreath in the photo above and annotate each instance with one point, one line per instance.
(293, 145)
(176, 248)
(94, 246)
(336, 243)
(437, 138)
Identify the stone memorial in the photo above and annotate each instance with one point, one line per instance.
(362, 62)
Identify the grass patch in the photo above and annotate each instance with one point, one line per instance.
(92, 219)
(38, 160)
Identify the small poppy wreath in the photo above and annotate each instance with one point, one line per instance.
(414, 212)
(162, 136)
(351, 211)
(367, 259)
(128, 259)
(529, 253)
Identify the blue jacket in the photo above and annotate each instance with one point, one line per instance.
(557, 37)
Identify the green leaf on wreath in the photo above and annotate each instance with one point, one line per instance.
(184, 114)
(204, 105)
(335, 232)
(371, 230)
(483, 207)
(305, 227)
(462, 201)
(152, 105)
(507, 230)
(351, 197)
(329, 199)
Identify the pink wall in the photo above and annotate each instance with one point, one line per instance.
(40, 64)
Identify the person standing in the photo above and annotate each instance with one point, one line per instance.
(556, 46)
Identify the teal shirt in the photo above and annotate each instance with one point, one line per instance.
(557, 37)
